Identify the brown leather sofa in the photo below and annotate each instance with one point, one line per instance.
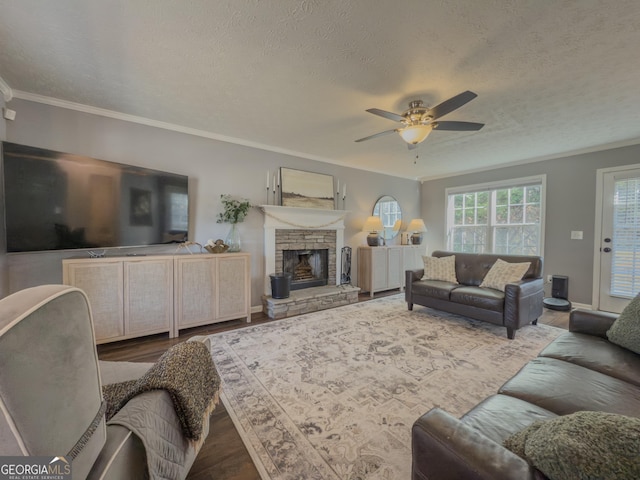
(580, 370)
(520, 304)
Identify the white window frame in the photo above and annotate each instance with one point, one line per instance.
(514, 182)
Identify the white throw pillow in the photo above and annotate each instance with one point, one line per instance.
(503, 272)
(442, 268)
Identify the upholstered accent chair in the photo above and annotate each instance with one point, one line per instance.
(51, 400)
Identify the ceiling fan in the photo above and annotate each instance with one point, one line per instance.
(418, 121)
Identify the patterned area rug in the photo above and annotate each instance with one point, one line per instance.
(333, 394)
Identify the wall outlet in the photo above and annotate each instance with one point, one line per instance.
(549, 278)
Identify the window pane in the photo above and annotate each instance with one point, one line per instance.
(470, 200)
(502, 214)
(516, 196)
(502, 197)
(515, 214)
(533, 194)
(483, 199)
(469, 216)
(457, 201)
(457, 217)
(532, 214)
(482, 216)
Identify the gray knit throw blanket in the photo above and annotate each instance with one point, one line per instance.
(186, 371)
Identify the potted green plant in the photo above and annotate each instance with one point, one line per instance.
(235, 211)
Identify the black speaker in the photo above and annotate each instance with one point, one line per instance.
(560, 286)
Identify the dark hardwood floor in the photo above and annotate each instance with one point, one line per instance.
(224, 456)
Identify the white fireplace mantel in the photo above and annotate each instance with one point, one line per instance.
(293, 218)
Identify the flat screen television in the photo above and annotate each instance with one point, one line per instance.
(59, 201)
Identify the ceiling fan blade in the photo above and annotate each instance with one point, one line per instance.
(458, 126)
(385, 114)
(376, 135)
(452, 104)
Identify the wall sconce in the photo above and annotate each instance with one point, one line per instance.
(374, 226)
(417, 228)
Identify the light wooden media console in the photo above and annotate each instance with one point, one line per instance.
(144, 295)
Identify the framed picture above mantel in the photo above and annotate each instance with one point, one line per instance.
(306, 189)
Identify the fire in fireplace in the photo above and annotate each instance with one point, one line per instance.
(308, 268)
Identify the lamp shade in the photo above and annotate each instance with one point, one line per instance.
(397, 226)
(373, 224)
(416, 225)
(415, 134)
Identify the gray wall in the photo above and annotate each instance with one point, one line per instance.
(213, 167)
(570, 205)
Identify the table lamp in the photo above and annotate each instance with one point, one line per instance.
(374, 226)
(417, 228)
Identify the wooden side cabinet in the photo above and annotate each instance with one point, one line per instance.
(132, 297)
(382, 268)
(212, 288)
(128, 297)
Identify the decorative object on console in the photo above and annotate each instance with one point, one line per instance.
(216, 247)
(234, 212)
(374, 226)
(417, 228)
(188, 245)
(306, 189)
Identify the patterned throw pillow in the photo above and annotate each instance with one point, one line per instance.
(503, 272)
(581, 445)
(625, 331)
(443, 268)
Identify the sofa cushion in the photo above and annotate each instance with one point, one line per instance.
(581, 445)
(433, 288)
(499, 416)
(596, 353)
(503, 272)
(443, 268)
(485, 298)
(565, 388)
(625, 331)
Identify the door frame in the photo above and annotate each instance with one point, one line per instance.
(597, 239)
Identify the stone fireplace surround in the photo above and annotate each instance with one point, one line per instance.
(284, 227)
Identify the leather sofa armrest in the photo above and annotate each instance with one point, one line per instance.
(591, 322)
(414, 275)
(523, 302)
(524, 288)
(410, 277)
(443, 448)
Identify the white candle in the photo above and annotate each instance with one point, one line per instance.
(268, 174)
(338, 189)
(344, 190)
(278, 178)
(274, 183)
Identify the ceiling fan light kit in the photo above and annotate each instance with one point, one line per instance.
(419, 120)
(415, 134)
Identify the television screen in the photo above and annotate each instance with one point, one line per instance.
(56, 201)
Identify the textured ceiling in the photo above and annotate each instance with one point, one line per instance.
(552, 77)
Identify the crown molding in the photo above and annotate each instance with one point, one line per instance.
(5, 89)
